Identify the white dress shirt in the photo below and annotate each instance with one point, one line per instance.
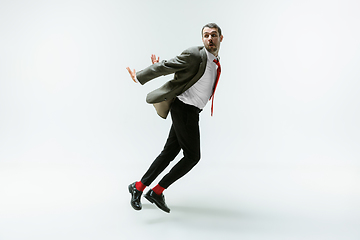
(199, 93)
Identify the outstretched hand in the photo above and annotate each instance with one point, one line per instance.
(153, 59)
(132, 74)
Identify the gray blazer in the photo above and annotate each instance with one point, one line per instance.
(188, 67)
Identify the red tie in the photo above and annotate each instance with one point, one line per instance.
(216, 83)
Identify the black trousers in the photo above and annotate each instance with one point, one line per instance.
(184, 134)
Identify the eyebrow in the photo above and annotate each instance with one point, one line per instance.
(210, 32)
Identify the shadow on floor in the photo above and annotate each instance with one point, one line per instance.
(199, 216)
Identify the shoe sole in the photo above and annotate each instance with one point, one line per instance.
(152, 201)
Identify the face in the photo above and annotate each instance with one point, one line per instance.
(212, 40)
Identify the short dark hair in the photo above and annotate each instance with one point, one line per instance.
(211, 25)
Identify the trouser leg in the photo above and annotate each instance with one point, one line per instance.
(184, 134)
(170, 151)
(186, 126)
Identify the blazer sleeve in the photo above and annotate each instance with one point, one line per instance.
(165, 67)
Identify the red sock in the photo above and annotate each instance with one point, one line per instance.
(158, 189)
(140, 186)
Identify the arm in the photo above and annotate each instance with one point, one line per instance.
(164, 67)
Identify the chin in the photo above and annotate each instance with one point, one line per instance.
(213, 50)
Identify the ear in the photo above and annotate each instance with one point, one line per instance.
(221, 38)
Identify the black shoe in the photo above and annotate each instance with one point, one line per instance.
(135, 197)
(159, 200)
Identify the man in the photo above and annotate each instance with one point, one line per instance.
(197, 72)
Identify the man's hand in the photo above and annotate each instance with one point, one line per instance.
(132, 74)
(153, 59)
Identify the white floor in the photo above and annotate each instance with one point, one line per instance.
(212, 202)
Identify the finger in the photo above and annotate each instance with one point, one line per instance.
(132, 73)
(133, 76)
(153, 58)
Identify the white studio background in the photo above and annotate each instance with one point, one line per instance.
(280, 157)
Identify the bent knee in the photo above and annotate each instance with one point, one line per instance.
(195, 158)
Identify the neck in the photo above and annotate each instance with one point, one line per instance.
(215, 53)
